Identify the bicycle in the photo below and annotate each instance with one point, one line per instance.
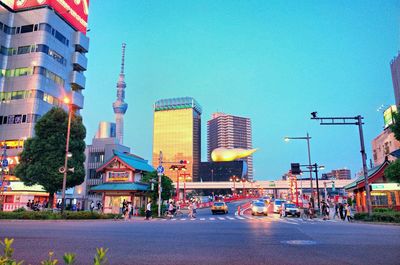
(306, 215)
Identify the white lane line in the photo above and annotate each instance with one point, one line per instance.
(173, 219)
(221, 218)
(183, 219)
(212, 218)
(239, 217)
(192, 219)
(202, 219)
(230, 218)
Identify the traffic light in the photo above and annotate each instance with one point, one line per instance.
(184, 162)
(295, 168)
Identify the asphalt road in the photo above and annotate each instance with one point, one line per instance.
(209, 239)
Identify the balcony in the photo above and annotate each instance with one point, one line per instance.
(77, 80)
(79, 61)
(81, 42)
(77, 99)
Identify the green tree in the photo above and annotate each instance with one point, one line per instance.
(44, 154)
(392, 172)
(166, 184)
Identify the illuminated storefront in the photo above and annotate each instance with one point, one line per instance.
(383, 193)
(177, 133)
(122, 176)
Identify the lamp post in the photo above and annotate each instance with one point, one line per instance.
(67, 101)
(357, 120)
(234, 179)
(177, 168)
(186, 176)
(314, 168)
(307, 137)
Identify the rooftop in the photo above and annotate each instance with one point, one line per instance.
(177, 103)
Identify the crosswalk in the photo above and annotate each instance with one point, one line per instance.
(291, 221)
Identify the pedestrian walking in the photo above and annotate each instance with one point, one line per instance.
(336, 213)
(194, 209)
(130, 210)
(92, 206)
(348, 213)
(190, 208)
(341, 211)
(148, 210)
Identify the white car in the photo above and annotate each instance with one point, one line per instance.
(277, 205)
(259, 208)
(291, 209)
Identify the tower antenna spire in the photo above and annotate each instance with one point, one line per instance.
(123, 58)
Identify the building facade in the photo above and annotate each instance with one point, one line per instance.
(228, 131)
(383, 145)
(177, 133)
(343, 173)
(395, 69)
(42, 61)
(222, 171)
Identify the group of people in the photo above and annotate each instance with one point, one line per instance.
(343, 211)
(99, 206)
(128, 210)
(36, 205)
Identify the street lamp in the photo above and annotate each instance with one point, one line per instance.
(357, 120)
(307, 137)
(234, 179)
(177, 168)
(67, 101)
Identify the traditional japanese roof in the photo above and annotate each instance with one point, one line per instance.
(396, 153)
(132, 161)
(372, 173)
(121, 187)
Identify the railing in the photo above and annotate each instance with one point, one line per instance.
(9, 207)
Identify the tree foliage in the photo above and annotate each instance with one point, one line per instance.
(392, 172)
(166, 184)
(44, 154)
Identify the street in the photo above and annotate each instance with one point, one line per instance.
(208, 239)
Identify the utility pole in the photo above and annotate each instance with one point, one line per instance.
(160, 171)
(347, 121)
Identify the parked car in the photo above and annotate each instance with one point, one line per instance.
(259, 208)
(219, 207)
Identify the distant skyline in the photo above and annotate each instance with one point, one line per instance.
(270, 61)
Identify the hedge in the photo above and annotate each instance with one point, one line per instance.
(49, 215)
(385, 216)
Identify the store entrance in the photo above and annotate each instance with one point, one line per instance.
(114, 203)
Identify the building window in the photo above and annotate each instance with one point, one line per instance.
(27, 28)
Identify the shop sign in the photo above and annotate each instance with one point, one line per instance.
(118, 176)
(385, 186)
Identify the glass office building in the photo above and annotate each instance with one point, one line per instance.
(177, 133)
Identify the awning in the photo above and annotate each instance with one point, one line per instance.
(121, 187)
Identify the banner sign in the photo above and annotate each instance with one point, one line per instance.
(385, 186)
(74, 11)
(118, 176)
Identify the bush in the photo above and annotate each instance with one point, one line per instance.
(48, 215)
(388, 217)
(382, 210)
(19, 210)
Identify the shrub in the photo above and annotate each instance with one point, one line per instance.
(19, 210)
(69, 258)
(382, 210)
(388, 216)
(48, 215)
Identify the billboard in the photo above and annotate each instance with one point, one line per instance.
(388, 115)
(74, 11)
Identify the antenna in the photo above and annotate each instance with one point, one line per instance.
(123, 58)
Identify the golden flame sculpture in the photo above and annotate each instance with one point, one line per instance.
(225, 155)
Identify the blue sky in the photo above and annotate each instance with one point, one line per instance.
(271, 61)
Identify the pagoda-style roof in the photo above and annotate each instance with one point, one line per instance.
(133, 162)
(373, 174)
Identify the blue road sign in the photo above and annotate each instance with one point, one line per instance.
(5, 163)
(1, 183)
(160, 169)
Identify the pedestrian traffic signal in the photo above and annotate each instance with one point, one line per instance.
(184, 162)
(295, 168)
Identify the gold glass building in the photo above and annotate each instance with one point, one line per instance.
(177, 133)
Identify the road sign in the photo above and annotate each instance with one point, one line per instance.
(5, 163)
(160, 169)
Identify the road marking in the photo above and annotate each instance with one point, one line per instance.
(183, 219)
(239, 217)
(212, 218)
(173, 219)
(192, 219)
(202, 219)
(230, 218)
(221, 218)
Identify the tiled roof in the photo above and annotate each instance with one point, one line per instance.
(371, 172)
(134, 161)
